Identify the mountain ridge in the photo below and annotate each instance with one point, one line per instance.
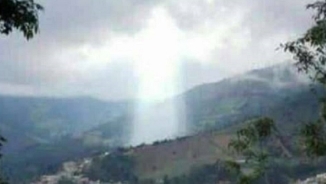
(221, 106)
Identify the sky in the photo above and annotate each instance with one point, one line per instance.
(148, 49)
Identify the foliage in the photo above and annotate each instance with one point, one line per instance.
(2, 140)
(249, 144)
(115, 167)
(65, 180)
(314, 139)
(309, 51)
(282, 171)
(206, 174)
(21, 15)
(3, 182)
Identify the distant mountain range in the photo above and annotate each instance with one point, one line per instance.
(210, 114)
(277, 91)
(26, 121)
(47, 128)
(42, 132)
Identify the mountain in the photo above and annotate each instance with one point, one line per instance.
(43, 132)
(279, 92)
(26, 121)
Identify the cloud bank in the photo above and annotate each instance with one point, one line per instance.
(136, 49)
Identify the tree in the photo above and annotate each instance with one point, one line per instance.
(2, 140)
(249, 144)
(309, 52)
(21, 15)
(115, 167)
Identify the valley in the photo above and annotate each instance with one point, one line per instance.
(54, 131)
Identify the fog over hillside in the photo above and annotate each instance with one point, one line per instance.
(220, 103)
(278, 76)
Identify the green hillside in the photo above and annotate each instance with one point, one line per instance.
(278, 92)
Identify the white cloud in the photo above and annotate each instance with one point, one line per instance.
(118, 49)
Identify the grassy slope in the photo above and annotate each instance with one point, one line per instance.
(173, 158)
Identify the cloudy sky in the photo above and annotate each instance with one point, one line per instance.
(119, 49)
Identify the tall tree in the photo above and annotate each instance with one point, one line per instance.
(309, 52)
